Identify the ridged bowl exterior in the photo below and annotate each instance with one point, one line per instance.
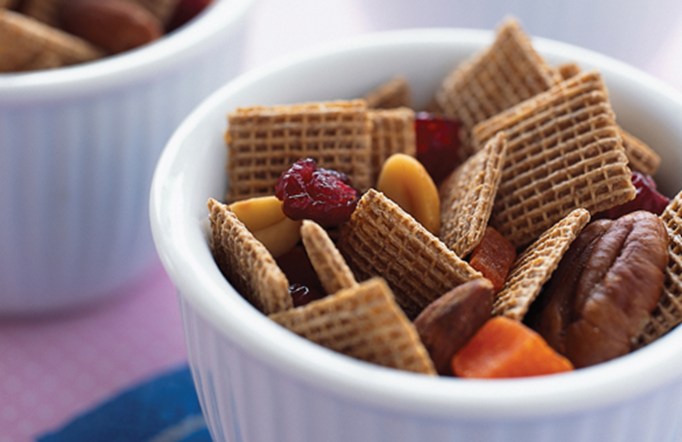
(248, 400)
(257, 382)
(77, 157)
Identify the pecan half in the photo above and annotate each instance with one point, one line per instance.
(448, 323)
(604, 289)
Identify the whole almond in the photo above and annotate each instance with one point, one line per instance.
(448, 323)
(8, 4)
(113, 25)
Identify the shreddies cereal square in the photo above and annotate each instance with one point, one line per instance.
(35, 45)
(535, 265)
(381, 239)
(668, 312)
(468, 195)
(332, 270)
(263, 141)
(392, 132)
(363, 322)
(505, 74)
(246, 262)
(564, 152)
(391, 94)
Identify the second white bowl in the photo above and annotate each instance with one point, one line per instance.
(78, 146)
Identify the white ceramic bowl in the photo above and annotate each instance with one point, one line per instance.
(78, 147)
(259, 383)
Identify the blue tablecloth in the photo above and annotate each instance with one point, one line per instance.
(163, 409)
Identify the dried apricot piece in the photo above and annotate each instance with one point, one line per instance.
(494, 256)
(505, 348)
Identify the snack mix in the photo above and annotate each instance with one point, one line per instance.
(45, 34)
(512, 230)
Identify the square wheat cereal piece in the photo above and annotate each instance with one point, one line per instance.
(394, 93)
(20, 45)
(381, 239)
(161, 9)
(641, 157)
(264, 141)
(505, 74)
(392, 132)
(668, 313)
(44, 60)
(332, 270)
(535, 266)
(568, 70)
(246, 262)
(468, 195)
(433, 107)
(564, 151)
(363, 322)
(27, 40)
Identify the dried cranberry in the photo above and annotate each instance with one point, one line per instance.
(647, 198)
(304, 285)
(322, 195)
(437, 144)
(185, 11)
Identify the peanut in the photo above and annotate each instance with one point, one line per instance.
(113, 25)
(404, 180)
(264, 218)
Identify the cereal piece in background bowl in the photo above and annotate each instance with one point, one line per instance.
(259, 382)
(78, 146)
(54, 33)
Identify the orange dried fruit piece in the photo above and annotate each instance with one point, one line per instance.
(264, 218)
(506, 348)
(405, 181)
(494, 257)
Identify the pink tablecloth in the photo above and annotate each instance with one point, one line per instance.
(54, 368)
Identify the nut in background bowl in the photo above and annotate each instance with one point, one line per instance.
(78, 147)
(258, 382)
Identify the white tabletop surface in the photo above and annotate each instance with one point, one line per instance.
(282, 27)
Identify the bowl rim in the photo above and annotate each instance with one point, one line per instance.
(599, 386)
(137, 64)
